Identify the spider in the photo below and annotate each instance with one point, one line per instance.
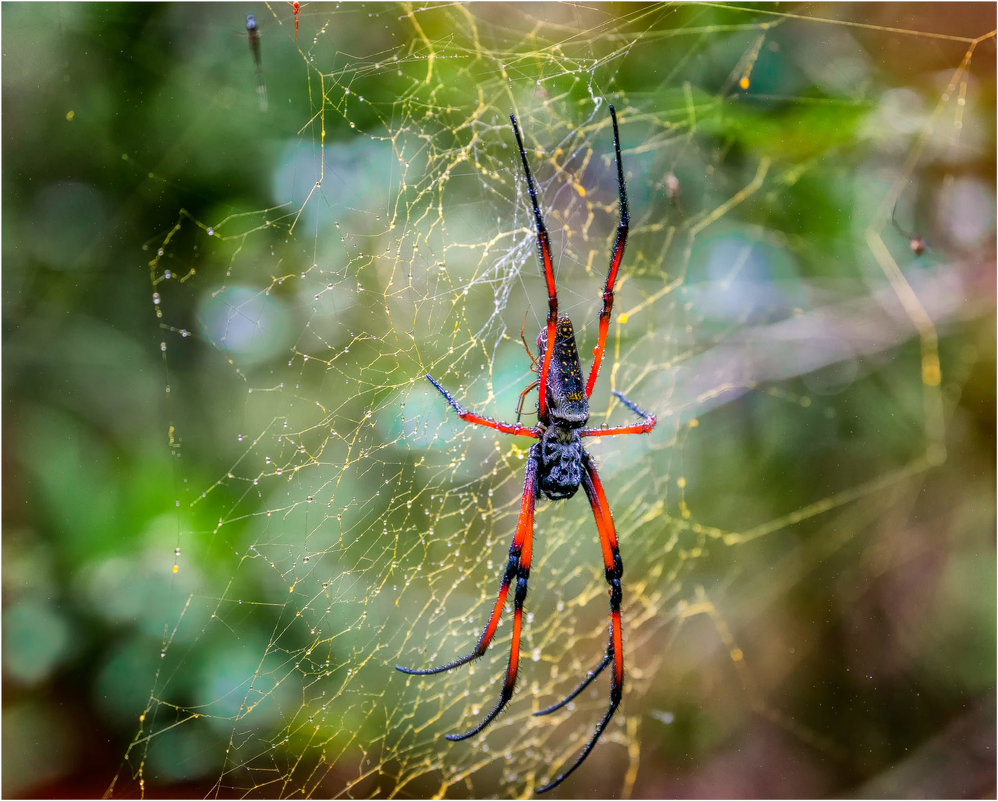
(557, 466)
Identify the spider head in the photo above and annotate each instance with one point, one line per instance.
(567, 404)
(560, 465)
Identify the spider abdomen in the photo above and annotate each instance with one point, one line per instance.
(560, 463)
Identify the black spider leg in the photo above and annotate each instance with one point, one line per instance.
(613, 570)
(616, 255)
(519, 566)
(585, 683)
(544, 249)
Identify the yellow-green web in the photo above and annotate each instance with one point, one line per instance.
(768, 311)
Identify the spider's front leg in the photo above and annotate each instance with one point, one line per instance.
(613, 570)
(477, 419)
(518, 566)
(644, 427)
(616, 255)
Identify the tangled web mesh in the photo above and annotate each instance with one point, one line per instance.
(768, 311)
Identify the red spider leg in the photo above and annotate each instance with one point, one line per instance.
(533, 368)
(530, 354)
(471, 417)
(296, 7)
(613, 569)
(544, 248)
(616, 254)
(523, 542)
(519, 566)
(639, 428)
(523, 397)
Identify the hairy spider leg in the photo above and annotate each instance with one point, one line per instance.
(530, 354)
(616, 254)
(534, 368)
(613, 569)
(477, 419)
(592, 674)
(544, 248)
(525, 537)
(519, 566)
(523, 397)
(639, 428)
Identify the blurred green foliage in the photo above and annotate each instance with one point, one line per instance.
(117, 116)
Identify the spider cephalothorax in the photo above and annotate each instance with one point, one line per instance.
(558, 465)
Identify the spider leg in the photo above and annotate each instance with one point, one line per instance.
(477, 419)
(616, 254)
(640, 428)
(585, 683)
(533, 359)
(614, 569)
(522, 546)
(519, 566)
(523, 397)
(544, 248)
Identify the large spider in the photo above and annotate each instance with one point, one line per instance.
(558, 465)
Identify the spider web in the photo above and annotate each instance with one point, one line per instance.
(334, 518)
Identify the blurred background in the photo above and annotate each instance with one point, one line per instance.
(231, 503)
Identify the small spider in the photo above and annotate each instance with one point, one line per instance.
(557, 465)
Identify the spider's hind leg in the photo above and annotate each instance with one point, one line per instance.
(518, 565)
(613, 570)
(585, 683)
(512, 569)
